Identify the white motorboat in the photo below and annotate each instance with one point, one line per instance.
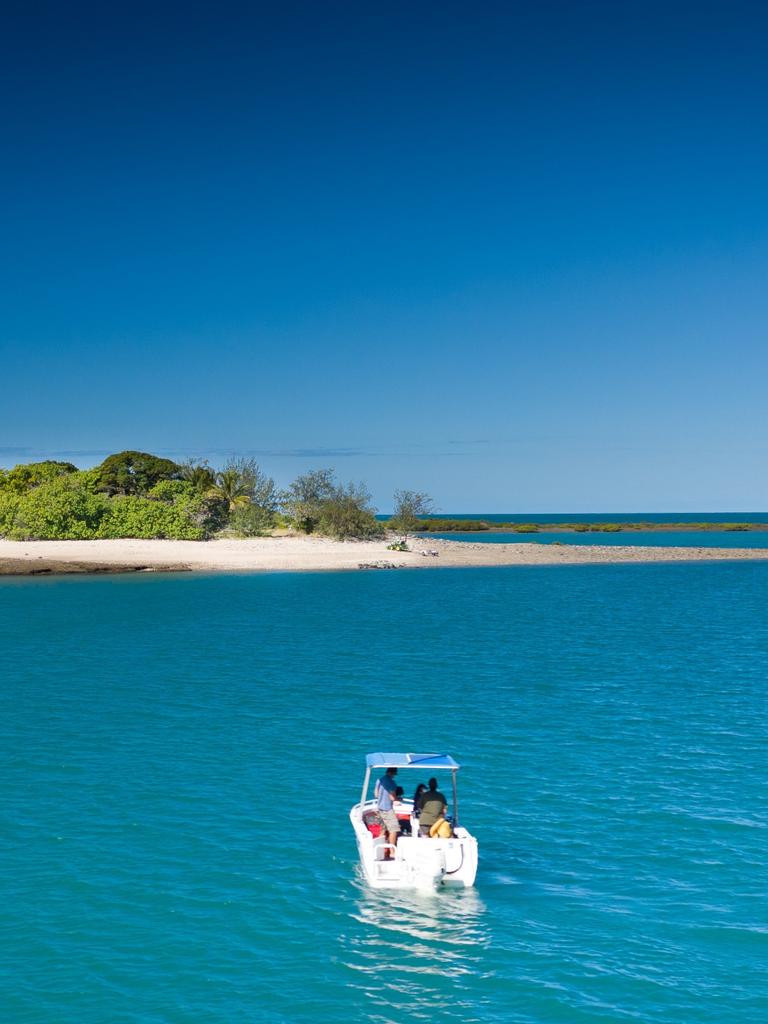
(416, 861)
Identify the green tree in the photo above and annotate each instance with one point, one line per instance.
(303, 502)
(409, 508)
(134, 473)
(63, 508)
(26, 476)
(348, 514)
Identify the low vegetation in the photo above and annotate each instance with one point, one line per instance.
(435, 525)
(398, 545)
(317, 503)
(60, 502)
(137, 494)
(438, 525)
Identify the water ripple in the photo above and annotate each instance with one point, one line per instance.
(179, 756)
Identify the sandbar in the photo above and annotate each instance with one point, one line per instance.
(307, 554)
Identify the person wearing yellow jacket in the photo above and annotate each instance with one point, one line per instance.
(441, 830)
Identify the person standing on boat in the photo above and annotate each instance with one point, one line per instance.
(384, 794)
(433, 806)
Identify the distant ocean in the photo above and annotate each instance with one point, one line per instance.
(180, 754)
(608, 517)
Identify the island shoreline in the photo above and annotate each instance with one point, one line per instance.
(310, 554)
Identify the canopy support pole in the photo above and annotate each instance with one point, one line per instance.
(365, 787)
(455, 800)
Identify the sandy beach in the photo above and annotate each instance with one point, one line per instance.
(302, 554)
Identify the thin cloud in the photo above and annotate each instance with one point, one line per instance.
(319, 453)
(306, 453)
(85, 453)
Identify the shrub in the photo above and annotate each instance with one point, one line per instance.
(60, 509)
(348, 514)
(450, 526)
(251, 521)
(23, 478)
(207, 512)
(173, 509)
(171, 490)
(131, 516)
(526, 528)
(9, 504)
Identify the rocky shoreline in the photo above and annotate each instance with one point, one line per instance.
(59, 567)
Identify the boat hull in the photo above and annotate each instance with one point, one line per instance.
(417, 862)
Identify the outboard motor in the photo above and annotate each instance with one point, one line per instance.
(427, 862)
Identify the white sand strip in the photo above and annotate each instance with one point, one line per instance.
(303, 554)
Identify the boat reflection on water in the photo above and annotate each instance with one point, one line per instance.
(405, 945)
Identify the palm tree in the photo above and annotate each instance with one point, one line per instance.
(241, 482)
(233, 488)
(199, 474)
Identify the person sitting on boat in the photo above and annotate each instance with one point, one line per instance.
(402, 811)
(432, 807)
(441, 830)
(421, 788)
(384, 794)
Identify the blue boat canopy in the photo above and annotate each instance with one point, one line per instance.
(436, 761)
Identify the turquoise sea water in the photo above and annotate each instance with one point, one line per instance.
(180, 753)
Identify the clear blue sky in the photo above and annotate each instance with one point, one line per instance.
(512, 254)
